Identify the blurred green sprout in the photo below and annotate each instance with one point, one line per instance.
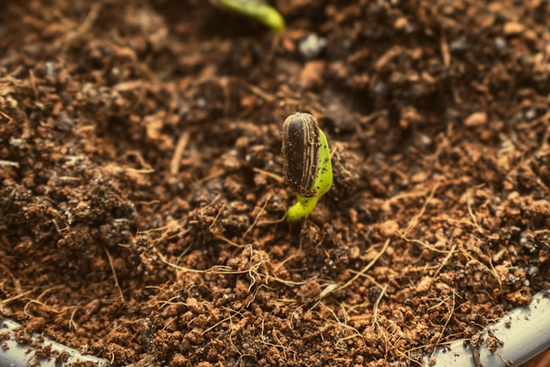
(256, 9)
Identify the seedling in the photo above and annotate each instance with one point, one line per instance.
(256, 9)
(306, 163)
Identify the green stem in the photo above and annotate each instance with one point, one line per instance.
(302, 208)
(322, 184)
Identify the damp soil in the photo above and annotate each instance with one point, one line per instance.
(142, 204)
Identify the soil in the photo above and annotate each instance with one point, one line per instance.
(142, 205)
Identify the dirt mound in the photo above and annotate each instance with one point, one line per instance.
(141, 199)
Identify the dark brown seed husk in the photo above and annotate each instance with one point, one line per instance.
(301, 143)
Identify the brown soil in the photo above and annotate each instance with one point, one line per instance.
(141, 199)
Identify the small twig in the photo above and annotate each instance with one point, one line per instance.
(256, 219)
(83, 28)
(345, 325)
(451, 311)
(369, 265)
(114, 273)
(445, 51)
(145, 167)
(422, 243)
(209, 177)
(414, 220)
(71, 320)
(376, 304)
(274, 176)
(446, 259)
(535, 122)
(33, 84)
(472, 215)
(475, 343)
(8, 163)
(261, 93)
(6, 116)
(217, 235)
(178, 152)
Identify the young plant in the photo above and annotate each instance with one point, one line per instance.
(256, 9)
(306, 163)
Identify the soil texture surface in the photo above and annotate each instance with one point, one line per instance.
(142, 205)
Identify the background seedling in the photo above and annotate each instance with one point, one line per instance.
(256, 9)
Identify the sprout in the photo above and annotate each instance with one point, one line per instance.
(306, 163)
(257, 9)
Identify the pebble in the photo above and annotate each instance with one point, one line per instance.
(311, 46)
(476, 119)
(380, 88)
(513, 28)
(311, 75)
(403, 25)
(500, 43)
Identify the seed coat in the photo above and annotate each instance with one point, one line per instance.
(301, 143)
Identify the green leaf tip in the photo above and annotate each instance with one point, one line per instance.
(307, 168)
(256, 9)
